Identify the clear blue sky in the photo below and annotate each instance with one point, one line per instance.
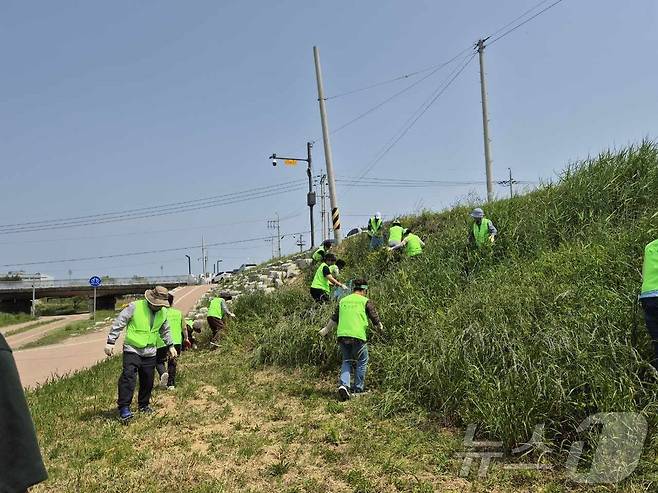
(115, 105)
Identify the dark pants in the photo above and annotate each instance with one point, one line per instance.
(134, 364)
(160, 360)
(650, 306)
(216, 327)
(319, 295)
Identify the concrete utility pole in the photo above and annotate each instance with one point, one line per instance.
(276, 224)
(335, 215)
(485, 123)
(323, 205)
(300, 243)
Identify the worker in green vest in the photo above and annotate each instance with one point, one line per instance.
(351, 320)
(319, 254)
(375, 231)
(217, 311)
(335, 269)
(483, 231)
(323, 280)
(191, 340)
(395, 233)
(412, 244)
(143, 320)
(178, 335)
(649, 294)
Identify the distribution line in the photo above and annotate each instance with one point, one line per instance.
(149, 252)
(166, 212)
(511, 30)
(433, 68)
(412, 121)
(194, 202)
(400, 92)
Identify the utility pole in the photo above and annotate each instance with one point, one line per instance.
(335, 215)
(485, 122)
(300, 243)
(33, 308)
(204, 257)
(276, 224)
(509, 183)
(323, 205)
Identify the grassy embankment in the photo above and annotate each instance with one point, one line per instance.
(14, 318)
(76, 328)
(537, 330)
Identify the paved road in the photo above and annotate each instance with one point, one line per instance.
(19, 340)
(38, 365)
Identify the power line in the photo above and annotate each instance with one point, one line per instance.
(395, 95)
(502, 28)
(244, 196)
(150, 209)
(509, 31)
(421, 111)
(148, 252)
(409, 75)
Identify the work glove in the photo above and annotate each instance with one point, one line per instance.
(187, 344)
(109, 349)
(232, 315)
(492, 238)
(172, 352)
(327, 328)
(380, 327)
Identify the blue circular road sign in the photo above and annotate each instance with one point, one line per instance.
(95, 281)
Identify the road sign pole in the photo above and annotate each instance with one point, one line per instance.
(33, 309)
(94, 304)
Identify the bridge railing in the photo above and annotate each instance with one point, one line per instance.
(23, 285)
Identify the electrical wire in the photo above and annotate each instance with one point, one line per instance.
(399, 93)
(150, 209)
(511, 30)
(162, 212)
(400, 77)
(148, 252)
(413, 119)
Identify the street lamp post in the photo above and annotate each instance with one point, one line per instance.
(217, 264)
(310, 197)
(189, 265)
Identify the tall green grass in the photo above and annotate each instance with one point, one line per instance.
(537, 329)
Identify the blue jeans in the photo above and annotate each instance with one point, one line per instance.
(355, 353)
(376, 242)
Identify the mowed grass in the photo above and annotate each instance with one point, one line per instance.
(76, 328)
(230, 427)
(14, 318)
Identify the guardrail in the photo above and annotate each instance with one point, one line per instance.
(84, 283)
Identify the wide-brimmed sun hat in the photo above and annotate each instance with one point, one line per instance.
(158, 296)
(477, 213)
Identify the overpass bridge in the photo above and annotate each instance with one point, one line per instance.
(18, 296)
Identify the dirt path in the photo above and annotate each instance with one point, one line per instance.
(19, 340)
(38, 365)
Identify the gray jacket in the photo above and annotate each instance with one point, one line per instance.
(121, 322)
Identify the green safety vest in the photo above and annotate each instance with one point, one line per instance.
(650, 268)
(215, 308)
(140, 333)
(352, 317)
(481, 233)
(334, 270)
(319, 281)
(395, 233)
(175, 321)
(413, 246)
(319, 254)
(375, 227)
(189, 321)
